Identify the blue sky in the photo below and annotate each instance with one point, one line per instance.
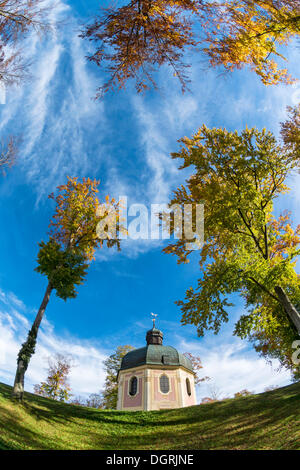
(124, 140)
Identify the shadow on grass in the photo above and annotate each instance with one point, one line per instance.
(267, 420)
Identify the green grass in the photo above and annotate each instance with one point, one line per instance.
(266, 421)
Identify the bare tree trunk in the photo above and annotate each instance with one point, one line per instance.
(27, 349)
(288, 307)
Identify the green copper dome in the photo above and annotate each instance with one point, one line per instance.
(155, 354)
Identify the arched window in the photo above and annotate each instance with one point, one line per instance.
(188, 386)
(164, 384)
(133, 386)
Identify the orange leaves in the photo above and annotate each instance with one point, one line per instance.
(56, 385)
(248, 34)
(76, 216)
(284, 240)
(197, 366)
(136, 39)
(290, 132)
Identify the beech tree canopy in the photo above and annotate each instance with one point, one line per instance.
(247, 250)
(134, 40)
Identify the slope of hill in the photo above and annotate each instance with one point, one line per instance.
(269, 420)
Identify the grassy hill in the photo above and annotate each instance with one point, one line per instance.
(266, 421)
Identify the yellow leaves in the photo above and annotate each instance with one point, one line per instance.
(284, 239)
(249, 34)
(74, 222)
(134, 39)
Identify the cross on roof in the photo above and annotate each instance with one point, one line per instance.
(154, 315)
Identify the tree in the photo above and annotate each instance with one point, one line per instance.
(65, 258)
(112, 365)
(290, 130)
(134, 40)
(94, 400)
(250, 32)
(215, 394)
(206, 400)
(17, 18)
(8, 153)
(56, 386)
(242, 393)
(78, 401)
(197, 366)
(271, 388)
(246, 250)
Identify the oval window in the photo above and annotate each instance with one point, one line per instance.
(164, 384)
(133, 386)
(188, 387)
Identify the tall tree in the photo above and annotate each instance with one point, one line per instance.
(65, 258)
(17, 19)
(133, 41)
(112, 365)
(56, 386)
(246, 250)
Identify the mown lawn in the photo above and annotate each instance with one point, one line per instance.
(266, 421)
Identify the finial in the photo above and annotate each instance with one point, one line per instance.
(153, 318)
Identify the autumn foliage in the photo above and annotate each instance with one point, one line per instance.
(77, 214)
(247, 250)
(64, 259)
(197, 366)
(133, 41)
(73, 238)
(250, 32)
(56, 386)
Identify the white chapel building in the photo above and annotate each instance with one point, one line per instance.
(155, 377)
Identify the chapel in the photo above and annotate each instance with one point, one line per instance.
(155, 377)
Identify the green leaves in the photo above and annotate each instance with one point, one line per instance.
(28, 348)
(247, 250)
(64, 268)
(112, 365)
(207, 306)
(65, 258)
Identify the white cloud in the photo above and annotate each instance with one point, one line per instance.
(55, 110)
(232, 367)
(65, 130)
(156, 139)
(228, 361)
(87, 374)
